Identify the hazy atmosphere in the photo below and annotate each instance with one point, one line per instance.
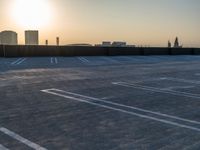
(99, 74)
(140, 22)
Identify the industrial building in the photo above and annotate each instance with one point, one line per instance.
(118, 44)
(106, 43)
(31, 37)
(8, 38)
(114, 44)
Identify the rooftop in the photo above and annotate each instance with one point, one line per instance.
(107, 103)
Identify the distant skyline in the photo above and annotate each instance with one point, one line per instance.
(140, 22)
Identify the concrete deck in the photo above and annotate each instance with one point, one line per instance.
(100, 103)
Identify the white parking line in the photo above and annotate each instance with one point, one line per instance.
(84, 60)
(178, 87)
(131, 107)
(106, 98)
(21, 61)
(181, 80)
(126, 109)
(21, 139)
(197, 74)
(3, 147)
(18, 61)
(54, 60)
(15, 61)
(148, 88)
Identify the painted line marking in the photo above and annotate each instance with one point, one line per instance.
(18, 61)
(158, 90)
(147, 80)
(180, 80)
(131, 107)
(21, 61)
(3, 147)
(122, 108)
(54, 60)
(21, 139)
(84, 60)
(197, 74)
(178, 87)
(106, 98)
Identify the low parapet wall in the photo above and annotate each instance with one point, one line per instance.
(41, 51)
(1, 50)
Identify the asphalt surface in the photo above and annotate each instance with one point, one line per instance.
(100, 103)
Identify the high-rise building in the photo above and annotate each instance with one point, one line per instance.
(31, 37)
(8, 38)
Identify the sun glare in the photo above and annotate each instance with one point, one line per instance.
(31, 13)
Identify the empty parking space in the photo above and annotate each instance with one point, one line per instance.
(135, 111)
(87, 103)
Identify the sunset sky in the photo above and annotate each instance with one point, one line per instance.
(140, 22)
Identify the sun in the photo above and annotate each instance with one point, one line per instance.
(31, 13)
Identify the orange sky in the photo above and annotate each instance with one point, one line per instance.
(140, 22)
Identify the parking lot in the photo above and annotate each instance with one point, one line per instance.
(100, 103)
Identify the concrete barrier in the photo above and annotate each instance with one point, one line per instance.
(31, 51)
(196, 51)
(181, 51)
(1, 51)
(117, 51)
(42, 51)
(46, 51)
(66, 51)
(155, 51)
(11, 50)
(82, 51)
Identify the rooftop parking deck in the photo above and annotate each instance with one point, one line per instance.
(100, 103)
